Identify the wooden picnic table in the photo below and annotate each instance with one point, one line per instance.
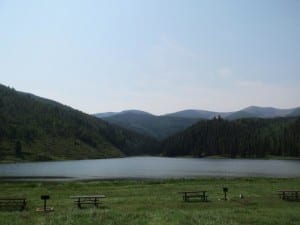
(293, 195)
(13, 202)
(186, 195)
(87, 199)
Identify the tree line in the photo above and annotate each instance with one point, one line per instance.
(34, 128)
(240, 138)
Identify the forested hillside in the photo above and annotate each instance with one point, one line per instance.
(161, 127)
(158, 127)
(34, 128)
(239, 138)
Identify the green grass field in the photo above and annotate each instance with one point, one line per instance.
(155, 202)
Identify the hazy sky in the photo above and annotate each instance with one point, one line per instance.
(158, 56)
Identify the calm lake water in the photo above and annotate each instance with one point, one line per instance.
(150, 167)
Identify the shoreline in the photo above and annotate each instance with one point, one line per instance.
(135, 179)
(158, 156)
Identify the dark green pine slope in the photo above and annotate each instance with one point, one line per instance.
(238, 138)
(34, 128)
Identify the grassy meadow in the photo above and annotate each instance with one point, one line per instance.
(155, 202)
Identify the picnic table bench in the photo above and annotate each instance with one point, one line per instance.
(13, 202)
(186, 195)
(291, 195)
(87, 200)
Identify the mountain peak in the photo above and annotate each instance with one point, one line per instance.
(129, 111)
(197, 113)
(135, 111)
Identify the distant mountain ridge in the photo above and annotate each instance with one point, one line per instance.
(194, 113)
(131, 111)
(251, 111)
(145, 123)
(261, 112)
(268, 111)
(166, 125)
(295, 113)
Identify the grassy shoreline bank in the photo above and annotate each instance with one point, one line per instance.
(156, 202)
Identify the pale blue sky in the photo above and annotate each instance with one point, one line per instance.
(158, 56)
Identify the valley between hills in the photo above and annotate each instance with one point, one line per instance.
(38, 129)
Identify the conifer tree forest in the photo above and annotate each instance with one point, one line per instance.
(239, 138)
(34, 128)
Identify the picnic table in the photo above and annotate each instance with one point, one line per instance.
(292, 195)
(186, 195)
(13, 202)
(87, 199)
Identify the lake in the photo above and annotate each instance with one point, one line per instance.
(149, 168)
